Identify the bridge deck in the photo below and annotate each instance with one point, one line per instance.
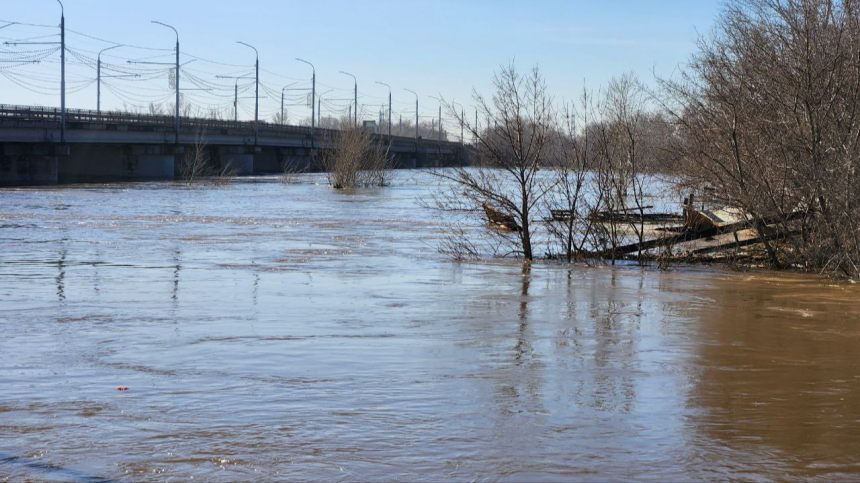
(29, 124)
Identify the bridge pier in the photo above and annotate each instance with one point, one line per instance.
(30, 164)
(295, 159)
(268, 161)
(239, 159)
(88, 163)
(405, 160)
(279, 160)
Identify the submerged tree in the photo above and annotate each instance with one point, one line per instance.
(196, 167)
(623, 159)
(505, 179)
(569, 201)
(768, 116)
(355, 158)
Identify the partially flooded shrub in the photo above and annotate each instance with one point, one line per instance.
(355, 159)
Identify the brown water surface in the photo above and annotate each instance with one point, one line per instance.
(297, 333)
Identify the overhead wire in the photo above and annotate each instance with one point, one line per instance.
(135, 83)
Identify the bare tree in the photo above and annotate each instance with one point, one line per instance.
(196, 166)
(355, 158)
(569, 202)
(156, 109)
(768, 115)
(195, 162)
(620, 157)
(406, 128)
(506, 177)
(293, 168)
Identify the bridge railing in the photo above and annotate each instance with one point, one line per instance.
(37, 114)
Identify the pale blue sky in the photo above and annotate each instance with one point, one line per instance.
(432, 47)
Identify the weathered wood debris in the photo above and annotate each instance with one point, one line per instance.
(499, 220)
(713, 231)
(626, 215)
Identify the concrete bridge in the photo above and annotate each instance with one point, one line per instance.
(113, 146)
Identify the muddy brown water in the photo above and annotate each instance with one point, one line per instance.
(300, 334)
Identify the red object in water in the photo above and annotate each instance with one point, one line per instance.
(122, 389)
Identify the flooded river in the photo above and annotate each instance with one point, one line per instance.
(295, 333)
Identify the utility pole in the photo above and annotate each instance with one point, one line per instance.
(416, 112)
(283, 111)
(62, 72)
(313, 100)
(440, 117)
(462, 118)
(389, 111)
(256, 92)
(319, 106)
(235, 93)
(355, 118)
(62, 65)
(439, 136)
(176, 121)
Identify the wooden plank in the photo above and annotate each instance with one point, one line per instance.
(686, 236)
(734, 244)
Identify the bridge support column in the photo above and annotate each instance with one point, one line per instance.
(30, 164)
(405, 161)
(295, 159)
(92, 163)
(237, 158)
(153, 162)
(268, 161)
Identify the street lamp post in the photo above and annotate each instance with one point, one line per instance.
(313, 101)
(176, 121)
(389, 111)
(256, 92)
(99, 80)
(416, 119)
(355, 114)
